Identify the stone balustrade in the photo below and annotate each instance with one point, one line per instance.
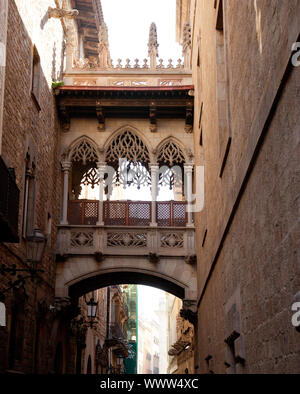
(93, 64)
(125, 241)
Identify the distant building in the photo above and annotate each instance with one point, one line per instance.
(102, 346)
(180, 339)
(152, 340)
(131, 294)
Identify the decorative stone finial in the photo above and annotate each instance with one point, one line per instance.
(153, 45)
(187, 44)
(103, 46)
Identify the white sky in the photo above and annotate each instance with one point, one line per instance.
(148, 302)
(128, 25)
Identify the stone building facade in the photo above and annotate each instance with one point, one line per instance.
(246, 135)
(46, 153)
(238, 120)
(104, 346)
(31, 57)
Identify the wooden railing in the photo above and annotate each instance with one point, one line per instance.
(127, 213)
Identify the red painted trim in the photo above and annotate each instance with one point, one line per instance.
(127, 88)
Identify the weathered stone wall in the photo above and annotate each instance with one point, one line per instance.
(250, 255)
(28, 26)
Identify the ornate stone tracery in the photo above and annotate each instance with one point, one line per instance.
(80, 239)
(171, 240)
(84, 152)
(130, 174)
(90, 177)
(170, 176)
(136, 240)
(129, 146)
(171, 154)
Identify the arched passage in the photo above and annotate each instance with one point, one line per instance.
(83, 273)
(118, 278)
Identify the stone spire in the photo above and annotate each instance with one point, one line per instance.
(103, 46)
(153, 45)
(187, 45)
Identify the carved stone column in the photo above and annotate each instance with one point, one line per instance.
(188, 171)
(66, 166)
(154, 169)
(101, 172)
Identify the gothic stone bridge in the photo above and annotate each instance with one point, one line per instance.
(103, 242)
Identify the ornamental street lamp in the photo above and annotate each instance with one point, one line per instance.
(35, 247)
(92, 307)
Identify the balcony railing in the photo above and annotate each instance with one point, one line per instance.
(9, 205)
(116, 332)
(117, 339)
(124, 304)
(127, 213)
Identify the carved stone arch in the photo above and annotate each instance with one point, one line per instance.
(83, 149)
(171, 152)
(83, 154)
(129, 142)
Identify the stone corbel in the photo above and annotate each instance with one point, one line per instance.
(189, 118)
(191, 259)
(61, 305)
(65, 118)
(189, 311)
(100, 117)
(153, 258)
(61, 258)
(99, 257)
(152, 116)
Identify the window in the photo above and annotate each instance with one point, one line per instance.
(148, 356)
(36, 77)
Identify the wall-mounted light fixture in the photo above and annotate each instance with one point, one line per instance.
(35, 247)
(92, 307)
